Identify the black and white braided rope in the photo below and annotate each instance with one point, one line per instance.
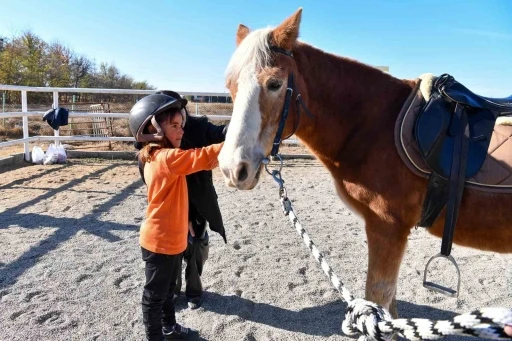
(373, 322)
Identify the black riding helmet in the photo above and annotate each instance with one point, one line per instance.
(172, 94)
(145, 110)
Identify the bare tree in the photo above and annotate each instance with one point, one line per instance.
(80, 68)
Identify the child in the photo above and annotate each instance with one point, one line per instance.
(157, 121)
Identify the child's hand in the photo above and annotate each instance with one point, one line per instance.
(191, 229)
(508, 330)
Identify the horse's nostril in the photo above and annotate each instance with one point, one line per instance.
(241, 172)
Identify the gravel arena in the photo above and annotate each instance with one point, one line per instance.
(71, 269)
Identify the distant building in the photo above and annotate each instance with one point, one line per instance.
(383, 68)
(209, 99)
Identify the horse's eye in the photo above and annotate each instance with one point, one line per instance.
(274, 84)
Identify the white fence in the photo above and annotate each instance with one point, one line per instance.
(25, 113)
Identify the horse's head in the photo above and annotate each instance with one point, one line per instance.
(257, 77)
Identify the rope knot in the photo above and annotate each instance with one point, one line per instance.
(363, 317)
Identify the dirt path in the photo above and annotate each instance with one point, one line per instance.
(70, 266)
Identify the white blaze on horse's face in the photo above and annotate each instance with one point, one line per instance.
(243, 151)
(258, 92)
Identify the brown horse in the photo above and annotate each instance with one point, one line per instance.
(354, 109)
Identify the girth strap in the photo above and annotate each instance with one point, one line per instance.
(443, 192)
(435, 200)
(460, 129)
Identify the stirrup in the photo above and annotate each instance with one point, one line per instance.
(440, 288)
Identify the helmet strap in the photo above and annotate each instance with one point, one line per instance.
(184, 113)
(159, 131)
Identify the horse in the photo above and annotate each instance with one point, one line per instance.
(354, 108)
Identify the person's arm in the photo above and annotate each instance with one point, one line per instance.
(216, 133)
(184, 162)
(191, 217)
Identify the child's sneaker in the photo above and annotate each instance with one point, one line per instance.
(194, 303)
(178, 332)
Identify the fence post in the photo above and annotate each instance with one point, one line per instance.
(197, 110)
(70, 121)
(55, 106)
(3, 106)
(24, 108)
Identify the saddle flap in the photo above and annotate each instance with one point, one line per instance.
(431, 126)
(434, 134)
(481, 127)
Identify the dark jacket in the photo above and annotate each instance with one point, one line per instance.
(199, 132)
(56, 117)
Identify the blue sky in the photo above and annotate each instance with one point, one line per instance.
(186, 45)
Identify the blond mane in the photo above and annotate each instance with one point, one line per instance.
(251, 55)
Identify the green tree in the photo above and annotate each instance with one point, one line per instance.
(57, 65)
(28, 60)
(34, 54)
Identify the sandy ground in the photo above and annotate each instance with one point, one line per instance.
(106, 146)
(69, 145)
(70, 266)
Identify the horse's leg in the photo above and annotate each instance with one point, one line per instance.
(386, 246)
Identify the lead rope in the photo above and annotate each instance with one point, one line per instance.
(373, 322)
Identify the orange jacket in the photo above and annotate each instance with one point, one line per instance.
(166, 226)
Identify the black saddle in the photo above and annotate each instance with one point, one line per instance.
(453, 132)
(451, 109)
(460, 94)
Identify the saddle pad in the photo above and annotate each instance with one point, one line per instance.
(496, 172)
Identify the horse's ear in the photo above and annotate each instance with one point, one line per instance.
(286, 34)
(241, 33)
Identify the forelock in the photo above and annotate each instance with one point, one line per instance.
(252, 55)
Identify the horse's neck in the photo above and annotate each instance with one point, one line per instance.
(349, 100)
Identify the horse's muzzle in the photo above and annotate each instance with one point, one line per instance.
(244, 175)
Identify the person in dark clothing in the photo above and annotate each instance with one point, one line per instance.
(203, 204)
